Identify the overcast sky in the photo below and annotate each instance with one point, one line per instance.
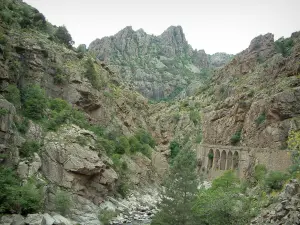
(212, 25)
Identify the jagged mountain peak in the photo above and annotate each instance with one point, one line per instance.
(156, 66)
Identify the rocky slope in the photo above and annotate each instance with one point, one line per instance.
(159, 67)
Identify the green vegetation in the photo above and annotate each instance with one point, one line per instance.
(3, 112)
(174, 148)
(29, 148)
(284, 46)
(261, 119)
(274, 180)
(294, 145)
(178, 198)
(63, 36)
(34, 102)
(63, 202)
(236, 137)
(199, 137)
(105, 216)
(13, 95)
(92, 74)
(16, 198)
(23, 125)
(21, 15)
(195, 117)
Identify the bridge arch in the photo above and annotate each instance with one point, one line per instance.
(229, 161)
(217, 159)
(223, 160)
(210, 159)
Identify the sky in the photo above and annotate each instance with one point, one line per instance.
(213, 25)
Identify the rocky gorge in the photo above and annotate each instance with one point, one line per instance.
(91, 130)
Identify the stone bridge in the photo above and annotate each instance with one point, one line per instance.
(215, 159)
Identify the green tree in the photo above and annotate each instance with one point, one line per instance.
(34, 102)
(180, 192)
(63, 35)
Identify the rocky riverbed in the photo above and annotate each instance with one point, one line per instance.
(138, 208)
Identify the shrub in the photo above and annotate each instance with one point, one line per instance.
(260, 172)
(29, 148)
(146, 150)
(105, 216)
(194, 116)
(226, 181)
(62, 34)
(3, 112)
(107, 145)
(13, 95)
(63, 202)
(236, 137)
(275, 180)
(22, 126)
(122, 145)
(294, 145)
(175, 148)
(261, 119)
(135, 145)
(199, 137)
(145, 138)
(92, 74)
(34, 102)
(15, 198)
(284, 46)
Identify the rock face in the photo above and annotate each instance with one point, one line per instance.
(287, 211)
(239, 97)
(68, 163)
(156, 66)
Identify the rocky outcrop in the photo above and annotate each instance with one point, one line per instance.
(156, 66)
(286, 211)
(70, 160)
(9, 138)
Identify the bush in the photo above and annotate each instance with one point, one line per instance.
(194, 116)
(22, 126)
(13, 95)
(92, 74)
(107, 145)
(122, 145)
(62, 34)
(176, 117)
(275, 180)
(146, 150)
(34, 102)
(63, 202)
(235, 138)
(284, 46)
(175, 149)
(261, 119)
(260, 172)
(29, 148)
(105, 216)
(15, 198)
(145, 138)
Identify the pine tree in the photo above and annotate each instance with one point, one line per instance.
(180, 192)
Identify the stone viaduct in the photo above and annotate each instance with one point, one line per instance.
(215, 159)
